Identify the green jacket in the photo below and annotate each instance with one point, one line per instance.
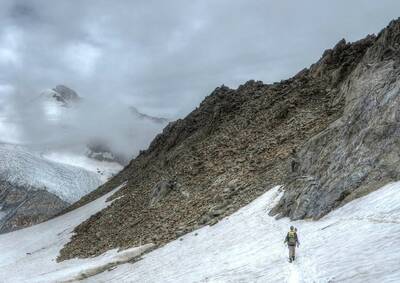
(292, 239)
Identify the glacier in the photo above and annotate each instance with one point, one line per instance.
(355, 243)
(23, 167)
(104, 169)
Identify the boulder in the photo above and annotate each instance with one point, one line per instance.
(161, 190)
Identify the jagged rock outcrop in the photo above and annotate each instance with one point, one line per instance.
(21, 207)
(360, 151)
(65, 95)
(143, 116)
(99, 150)
(329, 134)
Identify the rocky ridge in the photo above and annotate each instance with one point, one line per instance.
(329, 134)
(144, 116)
(360, 151)
(240, 142)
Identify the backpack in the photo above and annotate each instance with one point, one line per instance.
(292, 238)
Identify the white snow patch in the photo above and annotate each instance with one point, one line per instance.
(29, 255)
(294, 275)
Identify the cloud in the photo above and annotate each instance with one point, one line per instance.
(82, 58)
(164, 57)
(10, 39)
(45, 124)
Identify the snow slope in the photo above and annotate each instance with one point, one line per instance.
(104, 169)
(28, 255)
(22, 167)
(356, 243)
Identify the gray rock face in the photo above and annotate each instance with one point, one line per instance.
(65, 95)
(143, 116)
(99, 150)
(22, 208)
(359, 152)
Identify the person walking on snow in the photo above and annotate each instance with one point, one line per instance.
(292, 241)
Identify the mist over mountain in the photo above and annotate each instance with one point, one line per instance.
(57, 146)
(60, 119)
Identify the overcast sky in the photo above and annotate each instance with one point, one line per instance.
(164, 57)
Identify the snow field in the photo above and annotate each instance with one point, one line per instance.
(24, 168)
(358, 242)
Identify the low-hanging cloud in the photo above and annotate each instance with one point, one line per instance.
(163, 57)
(46, 124)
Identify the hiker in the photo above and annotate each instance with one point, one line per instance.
(292, 241)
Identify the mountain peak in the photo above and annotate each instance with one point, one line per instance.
(65, 94)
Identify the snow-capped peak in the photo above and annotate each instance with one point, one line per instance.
(62, 94)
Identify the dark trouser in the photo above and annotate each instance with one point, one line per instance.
(292, 251)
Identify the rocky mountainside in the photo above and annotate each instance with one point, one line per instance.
(329, 134)
(360, 151)
(22, 207)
